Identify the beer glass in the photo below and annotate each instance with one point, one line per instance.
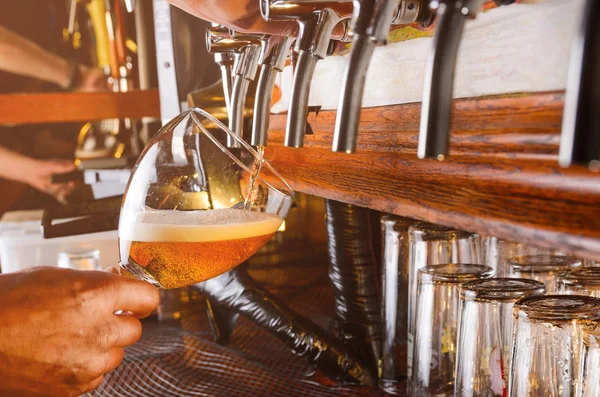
(485, 334)
(434, 245)
(497, 252)
(194, 208)
(434, 350)
(555, 350)
(585, 281)
(394, 303)
(541, 267)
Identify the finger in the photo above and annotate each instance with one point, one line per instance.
(92, 385)
(132, 295)
(113, 358)
(129, 331)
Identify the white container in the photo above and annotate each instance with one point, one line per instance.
(22, 246)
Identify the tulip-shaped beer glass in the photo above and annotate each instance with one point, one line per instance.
(193, 208)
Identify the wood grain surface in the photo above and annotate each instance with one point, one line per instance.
(501, 177)
(77, 106)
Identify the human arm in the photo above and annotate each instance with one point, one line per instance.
(35, 173)
(21, 56)
(59, 334)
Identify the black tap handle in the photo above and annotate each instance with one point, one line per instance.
(436, 109)
(580, 139)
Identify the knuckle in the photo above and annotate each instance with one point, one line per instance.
(107, 335)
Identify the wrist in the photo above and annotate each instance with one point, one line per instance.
(72, 77)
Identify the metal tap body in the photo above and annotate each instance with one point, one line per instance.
(275, 54)
(371, 22)
(247, 51)
(316, 21)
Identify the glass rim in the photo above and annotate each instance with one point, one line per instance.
(454, 273)
(542, 263)
(192, 113)
(79, 253)
(501, 289)
(580, 276)
(559, 307)
(425, 231)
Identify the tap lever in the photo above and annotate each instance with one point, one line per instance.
(275, 53)
(316, 22)
(580, 138)
(371, 25)
(436, 108)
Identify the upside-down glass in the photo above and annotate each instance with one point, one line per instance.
(485, 334)
(541, 267)
(437, 314)
(555, 350)
(394, 303)
(434, 245)
(585, 281)
(193, 208)
(497, 252)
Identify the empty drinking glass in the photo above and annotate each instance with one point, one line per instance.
(552, 353)
(394, 308)
(434, 350)
(434, 245)
(496, 252)
(541, 267)
(584, 281)
(79, 258)
(485, 334)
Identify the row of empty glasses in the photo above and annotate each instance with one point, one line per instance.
(479, 321)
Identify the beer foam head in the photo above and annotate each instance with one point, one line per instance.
(199, 226)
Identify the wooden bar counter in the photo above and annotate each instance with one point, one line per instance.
(501, 177)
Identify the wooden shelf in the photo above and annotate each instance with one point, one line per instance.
(77, 106)
(501, 177)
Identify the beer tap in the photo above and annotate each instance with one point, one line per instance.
(247, 49)
(580, 139)
(225, 60)
(316, 21)
(371, 23)
(436, 110)
(272, 62)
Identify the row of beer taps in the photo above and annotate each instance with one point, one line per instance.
(369, 21)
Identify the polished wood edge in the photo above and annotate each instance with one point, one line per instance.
(501, 177)
(77, 106)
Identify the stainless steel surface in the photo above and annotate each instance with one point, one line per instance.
(298, 110)
(438, 88)
(353, 85)
(226, 62)
(165, 59)
(248, 49)
(275, 53)
(316, 21)
(371, 24)
(580, 139)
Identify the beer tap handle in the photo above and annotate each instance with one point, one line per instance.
(436, 108)
(226, 61)
(245, 72)
(316, 21)
(580, 138)
(275, 54)
(372, 20)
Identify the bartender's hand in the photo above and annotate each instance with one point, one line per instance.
(58, 331)
(38, 174)
(242, 16)
(91, 79)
